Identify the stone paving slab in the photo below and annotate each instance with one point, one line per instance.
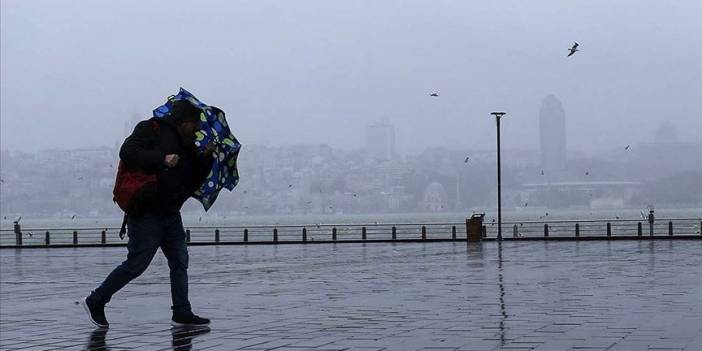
(623, 295)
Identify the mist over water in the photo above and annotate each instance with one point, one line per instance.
(331, 101)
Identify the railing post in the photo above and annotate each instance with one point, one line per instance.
(670, 228)
(545, 230)
(246, 235)
(47, 238)
(394, 233)
(424, 232)
(75, 237)
(275, 235)
(187, 235)
(103, 237)
(609, 229)
(334, 233)
(363, 233)
(484, 231)
(453, 232)
(640, 229)
(304, 234)
(515, 231)
(216, 235)
(577, 230)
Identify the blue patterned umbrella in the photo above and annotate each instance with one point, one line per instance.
(213, 129)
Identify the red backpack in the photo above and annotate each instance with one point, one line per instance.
(128, 183)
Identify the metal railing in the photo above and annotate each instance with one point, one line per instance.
(325, 233)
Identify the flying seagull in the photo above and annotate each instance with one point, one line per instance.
(573, 49)
(587, 173)
(542, 172)
(466, 160)
(627, 147)
(434, 94)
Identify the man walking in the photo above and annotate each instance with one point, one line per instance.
(164, 147)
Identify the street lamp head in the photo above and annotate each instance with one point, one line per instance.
(498, 114)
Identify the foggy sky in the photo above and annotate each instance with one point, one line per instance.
(71, 72)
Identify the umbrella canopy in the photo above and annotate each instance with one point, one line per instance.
(213, 129)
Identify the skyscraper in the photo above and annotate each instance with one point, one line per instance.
(552, 135)
(380, 141)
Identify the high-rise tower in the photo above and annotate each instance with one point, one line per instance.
(552, 134)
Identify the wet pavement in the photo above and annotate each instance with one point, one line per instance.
(620, 295)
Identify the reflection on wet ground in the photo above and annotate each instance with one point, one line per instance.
(629, 295)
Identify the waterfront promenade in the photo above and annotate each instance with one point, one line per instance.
(526, 295)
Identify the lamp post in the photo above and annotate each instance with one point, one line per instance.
(499, 115)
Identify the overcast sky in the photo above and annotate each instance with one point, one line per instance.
(319, 71)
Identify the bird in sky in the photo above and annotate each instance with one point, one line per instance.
(466, 160)
(587, 173)
(73, 217)
(542, 172)
(30, 233)
(289, 185)
(627, 147)
(434, 94)
(573, 49)
(526, 204)
(355, 195)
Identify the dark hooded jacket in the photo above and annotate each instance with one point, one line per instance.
(146, 148)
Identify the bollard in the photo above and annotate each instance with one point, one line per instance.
(670, 228)
(275, 235)
(47, 239)
(453, 232)
(103, 237)
(363, 233)
(304, 234)
(75, 237)
(545, 230)
(609, 229)
(484, 231)
(424, 232)
(640, 229)
(246, 235)
(187, 235)
(515, 231)
(334, 233)
(18, 233)
(394, 233)
(216, 235)
(577, 230)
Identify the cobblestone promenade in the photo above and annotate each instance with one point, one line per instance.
(619, 295)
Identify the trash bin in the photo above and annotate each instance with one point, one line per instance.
(474, 227)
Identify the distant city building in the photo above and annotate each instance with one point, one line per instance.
(552, 134)
(380, 141)
(669, 155)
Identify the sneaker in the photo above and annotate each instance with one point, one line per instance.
(96, 312)
(188, 319)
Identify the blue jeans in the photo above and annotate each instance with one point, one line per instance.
(146, 234)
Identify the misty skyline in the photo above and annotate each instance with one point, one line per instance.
(71, 73)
